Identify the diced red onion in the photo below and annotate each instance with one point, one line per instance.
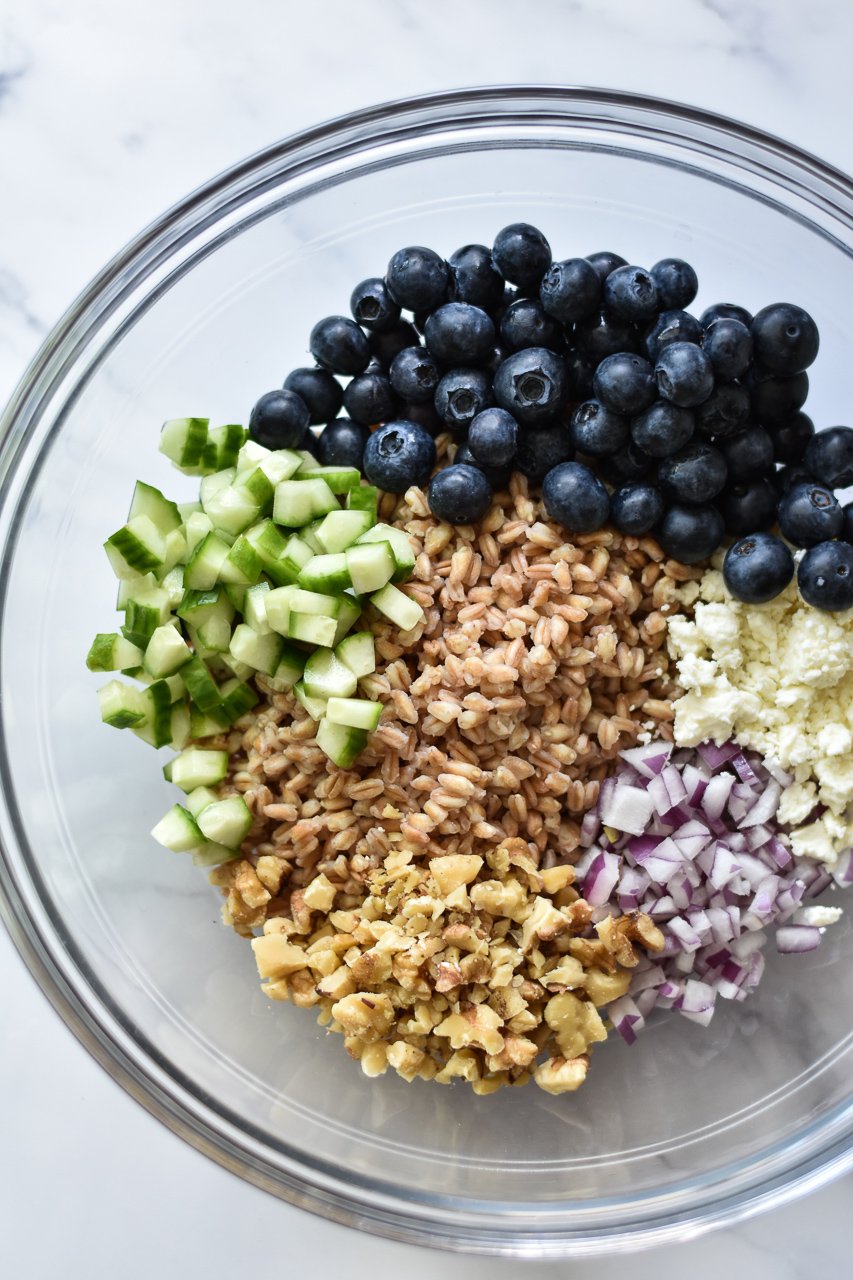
(791, 939)
(716, 756)
(743, 768)
(648, 760)
(717, 794)
(601, 879)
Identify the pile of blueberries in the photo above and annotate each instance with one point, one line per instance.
(590, 378)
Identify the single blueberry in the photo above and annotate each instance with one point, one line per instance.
(417, 278)
(684, 374)
(424, 415)
(690, 534)
(671, 326)
(575, 497)
(531, 384)
(748, 454)
(847, 527)
(279, 420)
(757, 568)
(597, 430)
(540, 449)
(829, 456)
(605, 263)
(474, 277)
(338, 344)
(459, 494)
(498, 477)
(635, 509)
(725, 311)
(791, 437)
(459, 334)
(630, 293)
(747, 507)
(372, 305)
(341, 444)
(775, 399)
(370, 399)
(625, 383)
(676, 282)
(724, 412)
(461, 395)
(570, 290)
(786, 477)
(415, 374)
(630, 463)
(526, 324)
(493, 437)
(385, 345)
(810, 513)
(785, 339)
(602, 335)
(825, 576)
(320, 390)
(399, 455)
(728, 345)
(663, 429)
(522, 254)
(695, 475)
(495, 359)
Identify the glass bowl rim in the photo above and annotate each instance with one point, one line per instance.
(168, 1098)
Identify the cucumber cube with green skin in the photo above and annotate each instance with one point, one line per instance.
(370, 566)
(177, 688)
(308, 534)
(237, 697)
(326, 573)
(177, 830)
(242, 566)
(173, 585)
(145, 612)
(267, 541)
(235, 668)
(232, 509)
(136, 548)
(339, 529)
(349, 611)
(175, 552)
(148, 501)
(210, 485)
(199, 767)
(307, 461)
(326, 676)
(316, 707)
(166, 653)
(312, 628)
(278, 609)
(317, 602)
(289, 669)
(339, 479)
(156, 728)
(364, 497)
(211, 854)
(402, 611)
(226, 821)
(180, 727)
(276, 464)
(298, 502)
(229, 440)
(356, 713)
(205, 563)
(251, 455)
(199, 607)
(188, 509)
(214, 635)
(201, 686)
(255, 608)
(129, 587)
(199, 799)
(203, 725)
(358, 653)
(196, 529)
(401, 548)
(111, 652)
(183, 441)
(122, 705)
(340, 743)
(259, 652)
(258, 486)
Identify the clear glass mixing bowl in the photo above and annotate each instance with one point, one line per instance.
(206, 309)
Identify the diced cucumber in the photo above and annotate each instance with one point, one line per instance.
(188, 509)
(177, 830)
(307, 460)
(199, 799)
(177, 688)
(242, 566)
(289, 669)
(183, 441)
(296, 554)
(303, 601)
(237, 697)
(122, 704)
(255, 608)
(308, 534)
(402, 611)
(269, 545)
(150, 502)
(128, 587)
(236, 594)
(180, 729)
(312, 628)
(197, 767)
(232, 509)
(226, 821)
(136, 548)
(111, 652)
(326, 573)
(356, 713)
(316, 707)
(156, 728)
(211, 854)
(370, 566)
(203, 725)
(364, 497)
(258, 486)
(196, 529)
(205, 563)
(262, 653)
(235, 668)
(400, 544)
(339, 479)
(349, 611)
(358, 653)
(298, 502)
(210, 485)
(173, 585)
(339, 529)
(200, 607)
(276, 464)
(201, 685)
(251, 455)
(277, 605)
(175, 552)
(326, 676)
(145, 612)
(341, 744)
(166, 653)
(229, 440)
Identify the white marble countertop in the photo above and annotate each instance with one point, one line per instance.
(108, 114)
